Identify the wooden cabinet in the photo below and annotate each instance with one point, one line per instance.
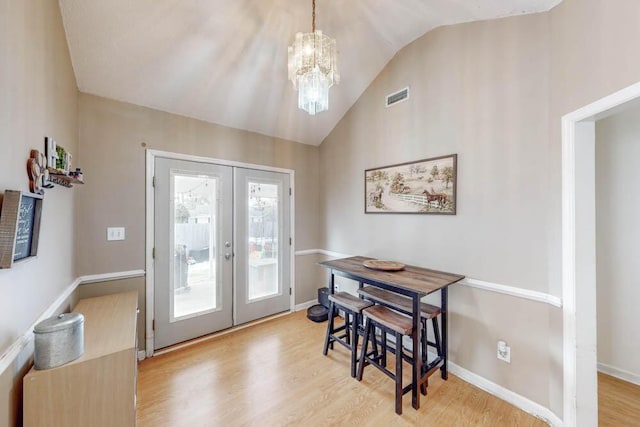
(99, 388)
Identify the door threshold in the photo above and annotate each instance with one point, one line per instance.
(230, 330)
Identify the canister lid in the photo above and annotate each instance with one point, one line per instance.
(58, 323)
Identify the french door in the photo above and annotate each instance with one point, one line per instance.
(222, 248)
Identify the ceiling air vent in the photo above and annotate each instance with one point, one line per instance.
(399, 96)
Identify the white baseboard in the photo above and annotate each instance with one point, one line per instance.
(305, 305)
(14, 351)
(507, 395)
(619, 373)
(141, 355)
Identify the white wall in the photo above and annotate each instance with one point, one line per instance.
(618, 243)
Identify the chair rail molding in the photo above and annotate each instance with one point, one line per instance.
(472, 283)
(15, 350)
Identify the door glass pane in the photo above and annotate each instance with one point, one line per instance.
(263, 240)
(195, 282)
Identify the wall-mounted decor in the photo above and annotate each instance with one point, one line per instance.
(38, 173)
(19, 226)
(50, 151)
(425, 187)
(59, 165)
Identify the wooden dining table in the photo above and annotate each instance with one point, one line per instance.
(415, 283)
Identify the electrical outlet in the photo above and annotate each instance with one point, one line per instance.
(504, 352)
(115, 233)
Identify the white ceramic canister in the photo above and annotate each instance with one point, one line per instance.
(58, 340)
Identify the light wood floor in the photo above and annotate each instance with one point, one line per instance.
(618, 402)
(274, 374)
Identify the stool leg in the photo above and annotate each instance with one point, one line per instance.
(436, 335)
(375, 342)
(327, 338)
(398, 374)
(354, 343)
(348, 319)
(363, 352)
(424, 340)
(383, 336)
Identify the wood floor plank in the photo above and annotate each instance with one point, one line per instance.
(618, 402)
(274, 374)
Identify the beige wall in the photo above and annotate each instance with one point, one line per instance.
(478, 90)
(593, 54)
(38, 99)
(111, 135)
(618, 241)
(494, 92)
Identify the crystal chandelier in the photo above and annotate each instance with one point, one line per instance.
(313, 67)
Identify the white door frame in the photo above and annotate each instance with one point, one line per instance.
(580, 394)
(149, 245)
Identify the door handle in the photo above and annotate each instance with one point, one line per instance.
(227, 256)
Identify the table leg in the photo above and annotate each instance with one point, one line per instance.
(417, 357)
(445, 332)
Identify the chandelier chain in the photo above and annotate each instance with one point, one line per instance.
(313, 16)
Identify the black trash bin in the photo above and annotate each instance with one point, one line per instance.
(320, 312)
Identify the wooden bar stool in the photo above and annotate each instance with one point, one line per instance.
(352, 307)
(404, 305)
(389, 322)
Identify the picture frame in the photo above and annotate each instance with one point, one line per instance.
(19, 226)
(426, 186)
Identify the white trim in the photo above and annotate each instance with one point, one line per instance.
(322, 252)
(333, 254)
(572, 349)
(107, 277)
(472, 283)
(307, 252)
(505, 394)
(513, 291)
(211, 160)
(305, 305)
(219, 333)
(141, 355)
(619, 373)
(149, 244)
(16, 348)
(292, 235)
(149, 213)
(568, 273)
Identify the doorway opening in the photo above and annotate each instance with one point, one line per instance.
(219, 245)
(580, 394)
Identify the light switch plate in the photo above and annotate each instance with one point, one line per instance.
(115, 233)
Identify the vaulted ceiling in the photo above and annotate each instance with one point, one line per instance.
(225, 61)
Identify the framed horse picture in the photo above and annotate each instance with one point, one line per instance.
(421, 187)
